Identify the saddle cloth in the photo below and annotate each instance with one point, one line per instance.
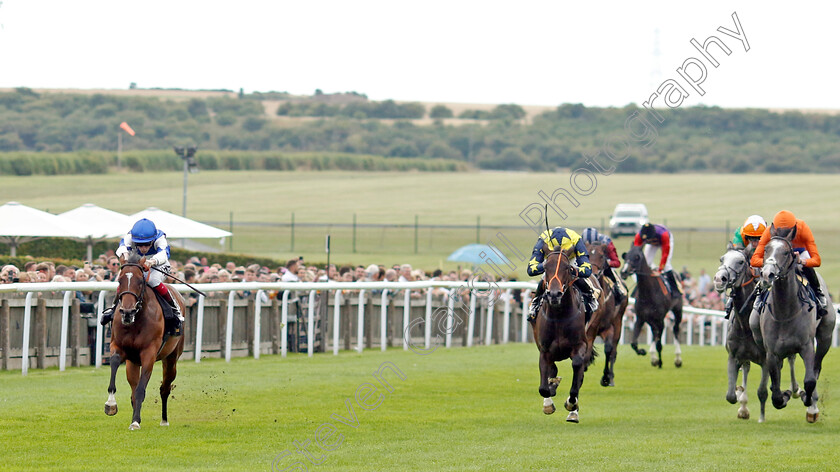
(172, 325)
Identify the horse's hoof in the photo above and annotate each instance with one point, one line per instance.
(744, 415)
(642, 352)
(612, 383)
(678, 363)
(731, 398)
(164, 423)
(812, 417)
(134, 426)
(573, 417)
(605, 381)
(111, 410)
(549, 409)
(799, 393)
(570, 407)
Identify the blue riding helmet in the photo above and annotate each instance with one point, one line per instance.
(590, 235)
(144, 231)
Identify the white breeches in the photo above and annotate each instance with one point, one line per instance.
(653, 261)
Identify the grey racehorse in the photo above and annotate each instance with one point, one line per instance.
(788, 324)
(734, 274)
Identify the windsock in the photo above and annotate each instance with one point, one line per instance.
(127, 128)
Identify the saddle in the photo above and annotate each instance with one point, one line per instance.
(171, 323)
(805, 293)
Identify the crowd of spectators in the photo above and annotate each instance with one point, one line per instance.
(698, 291)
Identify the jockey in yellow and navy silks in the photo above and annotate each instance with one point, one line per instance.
(565, 239)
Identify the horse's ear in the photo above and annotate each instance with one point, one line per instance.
(792, 235)
(122, 259)
(772, 230)
(730, 246)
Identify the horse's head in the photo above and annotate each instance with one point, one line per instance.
(634, 262)
(779, 256)
(598, 258)
(735, 264)
(131, 287)
(559, 275)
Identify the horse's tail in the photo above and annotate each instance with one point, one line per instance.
(593, 353)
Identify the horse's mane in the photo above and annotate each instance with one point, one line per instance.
(133, 257)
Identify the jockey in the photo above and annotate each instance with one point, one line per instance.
(565, 239)
(654, 237)
(149, 242)
(804, 244)
(746, 236)
(591, 235)
(750, 232)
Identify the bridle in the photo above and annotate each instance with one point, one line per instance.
(138, 305)
(556, 274)
(733, 276)
(782, 273)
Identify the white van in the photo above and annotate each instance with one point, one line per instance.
(628, 218)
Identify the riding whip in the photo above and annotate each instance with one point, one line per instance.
(179, 280)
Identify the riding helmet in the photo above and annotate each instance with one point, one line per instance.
(590, 235)
(784, 219)
(648, 231)
(143, 231)
(754, 226)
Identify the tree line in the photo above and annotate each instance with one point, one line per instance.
(697, 139)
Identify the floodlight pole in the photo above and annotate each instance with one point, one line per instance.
(186, 165)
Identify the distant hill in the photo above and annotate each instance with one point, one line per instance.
(503, 136)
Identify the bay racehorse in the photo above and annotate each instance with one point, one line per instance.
(137, 338)
(736, 275)
(606, 321)
(653, 302)
(559, 331)
(788, 324)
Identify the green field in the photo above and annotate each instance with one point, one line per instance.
(457, 409)
(497, 198)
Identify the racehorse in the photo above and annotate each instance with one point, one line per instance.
(652, 304)
(137, 339)
(560, 332)
(788, 324)
(606, 321)
(736, 275)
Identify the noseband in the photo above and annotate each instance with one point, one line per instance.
(139, 297)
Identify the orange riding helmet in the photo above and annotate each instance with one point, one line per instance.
(784, 219)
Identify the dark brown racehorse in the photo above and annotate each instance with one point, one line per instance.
(137, 340)
(653, 302)
(606, 321)
(560, 333)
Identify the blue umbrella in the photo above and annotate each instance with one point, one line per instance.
(478, 254)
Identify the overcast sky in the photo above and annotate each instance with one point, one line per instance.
(537, 53)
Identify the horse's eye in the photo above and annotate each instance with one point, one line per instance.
(740, 263)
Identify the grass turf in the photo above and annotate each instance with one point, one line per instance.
(456, 409)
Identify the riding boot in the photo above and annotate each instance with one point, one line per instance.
(674, 281)
(758, 305)
(108, 314)
(164, 292)
(822, 303)
(535, 302)
(730, 302)
(588, 292)
(617, 288)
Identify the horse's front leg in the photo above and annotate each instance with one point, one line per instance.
(762, 391)
(780, 399)
(743, 411)
(794, 386)
(677, 350)
(732, 371)
(111, 403)
(147, 363)
(548, 382)
(810, 382)
(578, 363)
(637, 329)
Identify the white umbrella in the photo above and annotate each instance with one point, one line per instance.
(179, 227)
(99, 223)
(20, 223)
